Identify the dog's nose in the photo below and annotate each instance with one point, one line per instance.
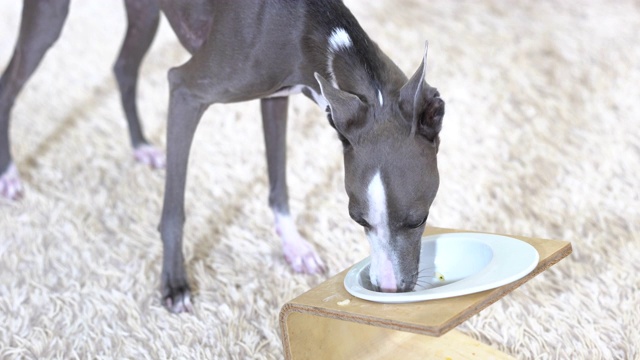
(387, 285)
(388, 290)
(402, 286)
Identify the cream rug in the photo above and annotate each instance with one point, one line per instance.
(541, 138)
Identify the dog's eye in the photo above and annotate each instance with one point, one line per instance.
(362, 222)
(417, 225)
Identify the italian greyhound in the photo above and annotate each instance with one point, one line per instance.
(245, 49)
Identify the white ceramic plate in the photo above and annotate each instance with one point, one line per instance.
(454, 264)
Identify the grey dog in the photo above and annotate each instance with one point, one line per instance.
(269, 49)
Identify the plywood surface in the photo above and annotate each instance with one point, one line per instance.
(323, 338)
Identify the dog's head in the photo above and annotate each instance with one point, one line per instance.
(391, 173)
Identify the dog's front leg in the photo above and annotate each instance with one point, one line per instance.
(184, 114)
(297, 251)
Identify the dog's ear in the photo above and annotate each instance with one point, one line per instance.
(422, 104)
(345, 110)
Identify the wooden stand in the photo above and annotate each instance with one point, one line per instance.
(329, 323)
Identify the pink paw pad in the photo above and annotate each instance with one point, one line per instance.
(149, 155)
(10, 184)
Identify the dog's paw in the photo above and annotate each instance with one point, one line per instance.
(177, 299)
(302, 257)
(149, 155)
(298, 252)
(10, 184)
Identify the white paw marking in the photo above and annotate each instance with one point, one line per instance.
(381, 271)
(297, 251)
(150, 155)
(10, 184)
(182, 305)
(339, 39)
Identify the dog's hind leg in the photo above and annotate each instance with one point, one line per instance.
(40, 27)
(142, 23)
(297, 251)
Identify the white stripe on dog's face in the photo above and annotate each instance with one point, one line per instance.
(377, 197)
(381, 270)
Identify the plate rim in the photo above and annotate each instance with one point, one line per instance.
(429, 294)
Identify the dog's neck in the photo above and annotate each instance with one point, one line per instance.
(349, 58)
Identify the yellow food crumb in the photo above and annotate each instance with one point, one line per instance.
(344, 302)
(439, 276)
